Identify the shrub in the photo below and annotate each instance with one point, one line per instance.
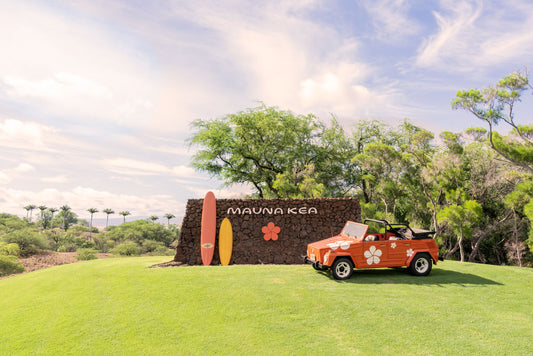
(128, 248)
(10, 265)
(9, 249)
(28, 239)
(85, 254)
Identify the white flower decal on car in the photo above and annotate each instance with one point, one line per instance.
(393, 245)
(372, 255)
(410, 252)
(345, 245)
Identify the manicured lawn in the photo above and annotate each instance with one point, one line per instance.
(120, 307)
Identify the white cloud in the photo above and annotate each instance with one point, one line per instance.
(82, 198)
(474, 35)
(74, 66)
(20, 133)
(134, 167)
(391, 19)
(55, 179)
(8, 175)
(60, 86)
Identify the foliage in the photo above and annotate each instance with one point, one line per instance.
(275, 151)
(9, 265)
(85, 254)
(9, 249)
(496, 104)
(278, 307)
(28, 239)
(127, 248)
(140, 230)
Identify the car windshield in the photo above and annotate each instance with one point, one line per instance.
(354, 230)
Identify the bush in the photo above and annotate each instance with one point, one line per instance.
(86, 254)
(29, 240)
(128, 248)
(9, 249)
(10, 265)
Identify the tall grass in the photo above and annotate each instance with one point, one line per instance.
(120, 307)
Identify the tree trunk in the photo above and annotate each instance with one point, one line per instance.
(461, 249)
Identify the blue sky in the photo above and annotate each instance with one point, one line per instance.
(97, 97)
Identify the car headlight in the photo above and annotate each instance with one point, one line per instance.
(326, 256)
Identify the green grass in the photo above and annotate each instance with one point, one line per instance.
(120, 307)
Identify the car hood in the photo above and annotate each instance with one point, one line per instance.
(333, 243)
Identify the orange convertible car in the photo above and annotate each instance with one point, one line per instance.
(385, 245)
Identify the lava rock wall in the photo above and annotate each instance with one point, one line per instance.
(267, 230)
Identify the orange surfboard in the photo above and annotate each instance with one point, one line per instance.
(225, 242)
(209, 228)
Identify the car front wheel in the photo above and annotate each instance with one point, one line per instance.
(342, 268)
(421, 265)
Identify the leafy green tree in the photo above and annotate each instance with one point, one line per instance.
(462, 219)
(52, 211)
(496, 104)
(67, 216)
(92, 211)
(107, 213)
(28, 239)
(153, 218)
(273, 150)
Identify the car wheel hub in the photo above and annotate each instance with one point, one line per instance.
(421, 265)
(342, 269)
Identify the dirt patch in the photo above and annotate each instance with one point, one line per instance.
(46, 259)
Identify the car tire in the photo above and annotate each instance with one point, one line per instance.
(342, 268)
(421, 265)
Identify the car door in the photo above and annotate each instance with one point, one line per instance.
(373, 254)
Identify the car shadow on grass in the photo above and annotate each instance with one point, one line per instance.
(401, 276)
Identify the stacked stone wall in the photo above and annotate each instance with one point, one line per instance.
(300, 221)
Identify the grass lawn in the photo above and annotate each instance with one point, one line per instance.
(120, 307)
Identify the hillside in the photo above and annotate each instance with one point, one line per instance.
(119, 306)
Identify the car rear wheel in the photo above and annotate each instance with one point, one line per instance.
(342, 268)
(421, 265)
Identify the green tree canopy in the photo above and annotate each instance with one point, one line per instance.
(281, 154)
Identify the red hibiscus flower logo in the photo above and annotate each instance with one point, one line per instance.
(271, 231)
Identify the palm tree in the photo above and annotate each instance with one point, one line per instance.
(153, 218)
(27, 208)
(52, 210)
(108, 212)
(169, 216)
(124, 214)
(64, 209)
(92, 211)
(30, 208)
(42, 208)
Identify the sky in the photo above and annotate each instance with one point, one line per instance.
(97, 97)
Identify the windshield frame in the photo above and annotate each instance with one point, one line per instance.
(354, 230)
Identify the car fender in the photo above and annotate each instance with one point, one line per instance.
(333, 255)
(423, 250)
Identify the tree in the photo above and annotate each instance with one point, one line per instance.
(107, 212)
(91, 211)
(52, 211)
(153, 218)
(273, 151)
(29, 208)
(496, 104)
(124, 214)
(64, 213)
(42, 208)
(462, 218)
(169, 216)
